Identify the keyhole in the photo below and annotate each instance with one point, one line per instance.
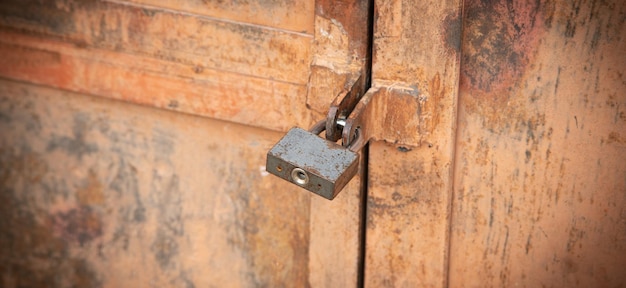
(299, 176)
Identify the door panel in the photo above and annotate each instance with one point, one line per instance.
(241, 66)
(416, 58)
(541, 158)
(290, 15)
(529, 189)
(102, 193)
(153, 82)
(167, 34)
(179, 61)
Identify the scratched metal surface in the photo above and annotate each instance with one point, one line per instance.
(329, 166)
(538, 196)
(99, 193)
(327, 158)
(273, 74)
(540, 176)
(416, 60)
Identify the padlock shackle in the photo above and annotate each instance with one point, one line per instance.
(319, 127)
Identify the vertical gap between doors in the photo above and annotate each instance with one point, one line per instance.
(363, 217)
(365, 153)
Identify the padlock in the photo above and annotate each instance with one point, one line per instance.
(321, 165)
(318, 165)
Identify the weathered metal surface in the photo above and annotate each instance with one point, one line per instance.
(339, 53)
(166, 34)
(356, 131)
(335, 238)
(406, 217)
(339, 50)
(313, 163)
(416, 63)
(292, 15)
(153, 82)
(342, 106)
(229, 66)
(160, 57)
(541, 153)
(97, 193)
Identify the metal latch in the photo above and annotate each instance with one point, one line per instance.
(319, 165)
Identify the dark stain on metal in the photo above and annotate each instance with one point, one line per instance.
(30, 234)
(148, 12)
(198, 69)
(164, 248)
(404, 149)
(169, 201)
(37, 13)
(122, 155)
(126, 182)
(499, 42)
(352, 15)
(452, 32)
(77, 145)
(379, 206)
(183, 281)
(80, 225)
(121, 27)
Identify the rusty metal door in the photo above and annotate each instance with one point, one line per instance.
(98, 192)
(500, 159)
(526, 184)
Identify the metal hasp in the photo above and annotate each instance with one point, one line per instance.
(318, 165)
(321, 165)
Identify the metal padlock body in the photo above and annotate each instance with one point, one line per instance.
(318, 165)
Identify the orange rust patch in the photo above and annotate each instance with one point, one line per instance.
(353, 18)
(77, 225)
(499, 42)
(615, 137)
(92, 192)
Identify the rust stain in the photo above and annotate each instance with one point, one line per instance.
(403, 193)
(165, 249)
(32, 63)
(80, 225)
(252, 50)
(452, 33)
(353, 17)
(403, 204)
(28, 242)
(499, 42)
(267, 245)
(27, 57)
(105, 194)
(91, 194)
(615, 137)
(534, 187)
(129, 74)
(435, 104)
(28, 165)
(339, 50)
(42, 13)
